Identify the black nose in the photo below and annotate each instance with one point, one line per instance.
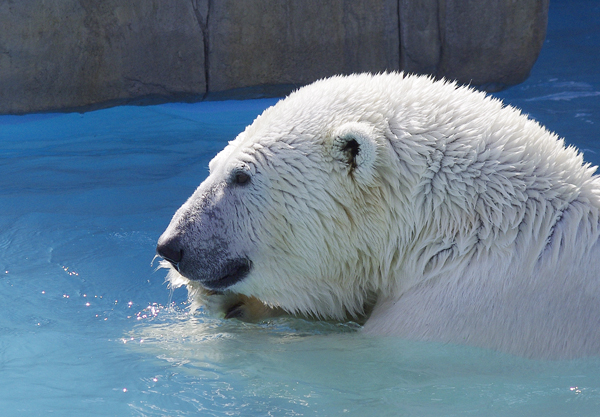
(169, 248)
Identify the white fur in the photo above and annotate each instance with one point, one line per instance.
(468, 222)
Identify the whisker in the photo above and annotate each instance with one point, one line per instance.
(152, 262)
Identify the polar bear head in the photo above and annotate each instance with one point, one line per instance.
(296, 211)
(421, 199)
(359, 186)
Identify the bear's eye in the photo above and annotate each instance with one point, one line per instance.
(241, 177)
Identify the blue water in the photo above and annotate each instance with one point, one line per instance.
(89, 328)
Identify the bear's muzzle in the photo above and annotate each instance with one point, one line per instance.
(214, 271)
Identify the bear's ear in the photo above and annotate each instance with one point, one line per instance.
(354, 144)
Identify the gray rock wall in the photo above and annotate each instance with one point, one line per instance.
(270, 42)
(69, 54)
(491, 43)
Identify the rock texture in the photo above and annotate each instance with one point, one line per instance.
(491, 44)
(258, 42)
(68, 54)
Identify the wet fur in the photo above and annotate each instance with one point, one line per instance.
(466, 221)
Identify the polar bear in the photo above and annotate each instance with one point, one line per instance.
(421, 208)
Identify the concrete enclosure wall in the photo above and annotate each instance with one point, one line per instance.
(70, 54)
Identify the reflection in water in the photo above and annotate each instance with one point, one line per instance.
(289, 365)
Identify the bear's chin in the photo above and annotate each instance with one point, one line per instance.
(222, 302)
(228, 304)
(216, 278)
(229, 274)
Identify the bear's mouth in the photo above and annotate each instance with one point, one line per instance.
(231, 273)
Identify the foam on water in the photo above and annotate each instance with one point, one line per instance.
(88, 328)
